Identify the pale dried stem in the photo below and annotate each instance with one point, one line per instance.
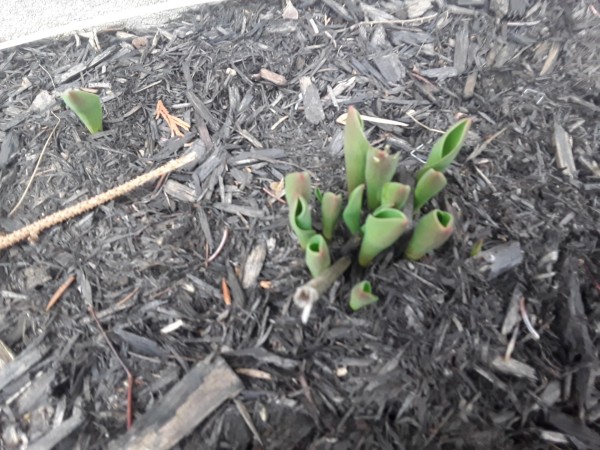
(33, 230)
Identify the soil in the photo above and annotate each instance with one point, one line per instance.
(499, 350)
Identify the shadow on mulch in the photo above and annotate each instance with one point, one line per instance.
(444, 360)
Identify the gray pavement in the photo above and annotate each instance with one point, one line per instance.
(24, 21)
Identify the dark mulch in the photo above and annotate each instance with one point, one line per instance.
(426, 366)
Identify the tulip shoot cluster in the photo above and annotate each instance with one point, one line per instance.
(369, 176)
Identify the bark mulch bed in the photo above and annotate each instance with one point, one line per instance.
(444, 360)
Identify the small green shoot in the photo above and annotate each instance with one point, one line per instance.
(331, 210)
(379, 170)
(355, 149)
(428, 186)
(317, 255)
(394, 195)
(361, 295)
(446, 148)
(87, 107)
(380, 231)
(431, 232)
(351, 214)
(301, 221)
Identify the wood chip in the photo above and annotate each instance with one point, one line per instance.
(550, 59)
(416, 8)
(289, 12)
(275, 78)
(469, 89)
(313, 109)
(390, 67)
(254, 264)
(511, 319)
(254, 373)
(199, 393)
(498, 260)
(514, 368)
(461, 49)
(564, 151)
(180, 191)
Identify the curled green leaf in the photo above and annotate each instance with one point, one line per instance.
(394, 195)
(301, 220)
(351, 214)
(355, 149)
(431, 232)
(87, 107)
(297, 184)
(317, 255)
(379, 170)
(446, 148)
(428, 186)
(331, 209)
(382, 228)
(361, 295)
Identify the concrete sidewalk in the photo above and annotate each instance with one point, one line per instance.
(22, 22)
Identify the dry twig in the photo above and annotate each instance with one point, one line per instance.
(173, 122)
(32, 231)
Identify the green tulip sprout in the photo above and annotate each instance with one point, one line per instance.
(297, 184)
(446, 148)
(331, 209)
(380, 167)
(355, 149)
(361, 295)
(394, 195)
(301, 221)
(431, 232)
(317, 255)
(87, 107)
(380, 231)
(428, 186)
(372, 170)
(351, 214)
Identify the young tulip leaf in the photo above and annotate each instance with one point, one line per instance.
(380, 231)
(297, 184)
(394, 195)
(446, 148)
(428, 186)
(331, 209)
(319, 195)
(317, 255)
(355, 149)
(87, 107)
(431, 232)
(351, 214)
(379, 170)
(361, 295)
(301, 220)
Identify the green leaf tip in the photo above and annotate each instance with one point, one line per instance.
(356, 146)
(87, 107)
(394, 195)
(361, 295)
(297, 184)
(446, 148)
(379, 169)
(317, 255)
(301, 220)
(331, 209)
(428, 186)
(382, 228)
(431, 232)
(351, 214)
